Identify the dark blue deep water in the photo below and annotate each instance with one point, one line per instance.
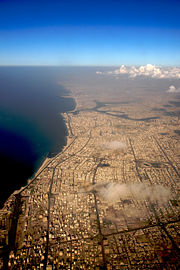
(31, 125)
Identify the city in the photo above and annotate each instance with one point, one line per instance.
(110, 199)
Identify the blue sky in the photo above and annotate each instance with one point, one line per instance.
(85, 32)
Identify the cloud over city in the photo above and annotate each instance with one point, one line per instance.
(113, 192)
(148, 70)
(172, 89)
(113, 145)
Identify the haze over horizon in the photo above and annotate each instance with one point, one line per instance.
(89, 33)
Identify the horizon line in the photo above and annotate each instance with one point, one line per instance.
(81, 65)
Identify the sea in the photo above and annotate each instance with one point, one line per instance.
(32, 127)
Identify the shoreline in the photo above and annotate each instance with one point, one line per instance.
(47, 159)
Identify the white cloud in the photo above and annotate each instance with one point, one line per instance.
(99, 72)
(113, 145)
(149, 71)
(123, 69)
(114, 192)
(172, 89)
(139, 191)
(116, 145)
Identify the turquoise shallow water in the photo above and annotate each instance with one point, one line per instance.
(31, 125)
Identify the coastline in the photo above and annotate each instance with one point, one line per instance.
(47, 161)
(48, 157)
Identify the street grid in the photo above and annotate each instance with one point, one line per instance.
(64, 219)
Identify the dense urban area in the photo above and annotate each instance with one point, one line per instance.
(110, 199)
